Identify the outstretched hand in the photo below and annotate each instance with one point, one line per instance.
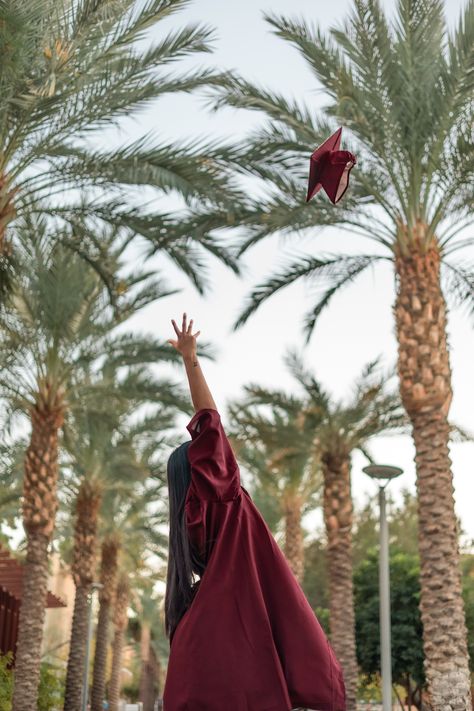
(185, 342)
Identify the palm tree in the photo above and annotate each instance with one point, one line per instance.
(278, 449)
(120, 623)
(404, 92)
(69, 70)
(83, 572)
(146, 600)
(57, 322)
(108, 580)
(146, 688)
(128, 527)
(341, 428)
(147, 603)
(99, 461)
(324, 434)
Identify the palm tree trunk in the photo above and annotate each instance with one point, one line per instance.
(156, 677)
(100, 656)
(338, 522)
(77, 650)
(114, 684)
(146, 693)
(83, 569)
(39, 513)
(121, 603)
(31, 623)
(294, 548)
(108, 574)
(425, 386)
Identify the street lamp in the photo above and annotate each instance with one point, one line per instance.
(85, 683)
(384, 474)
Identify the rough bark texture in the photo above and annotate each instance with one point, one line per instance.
(120, 622)
(30, 631)
(108, 575)
(294, 548)
(100, 656)
(338, 522)
(77, 649)
(39, 513)
(40, 500)
(148, 679)
(425, 385)
(85, 533)
(83, 569)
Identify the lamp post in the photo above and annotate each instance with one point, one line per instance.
(384, 474)
(85, 683)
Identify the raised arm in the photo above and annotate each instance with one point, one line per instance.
(185, 343)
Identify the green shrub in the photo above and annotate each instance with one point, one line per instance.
(6, 683)
(51, 688)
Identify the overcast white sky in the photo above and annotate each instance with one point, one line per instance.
(358, 325)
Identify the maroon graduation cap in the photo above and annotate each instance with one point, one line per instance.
(329, 168)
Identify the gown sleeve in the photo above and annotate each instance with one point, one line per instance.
(214, 470)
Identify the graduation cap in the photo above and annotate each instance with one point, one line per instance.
(329, 168)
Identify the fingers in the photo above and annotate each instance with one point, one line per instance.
(173, 343)
(186, 329)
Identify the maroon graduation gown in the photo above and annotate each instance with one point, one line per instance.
(250, 640)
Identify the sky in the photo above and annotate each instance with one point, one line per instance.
(358, 326)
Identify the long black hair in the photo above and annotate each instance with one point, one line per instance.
(183, 562)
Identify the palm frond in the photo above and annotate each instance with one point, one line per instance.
(73, 68)
(237, 92)
(187, 169)
(338, 270)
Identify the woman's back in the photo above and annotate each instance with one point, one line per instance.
(250, 640)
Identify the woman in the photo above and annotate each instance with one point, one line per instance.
(246, 638)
